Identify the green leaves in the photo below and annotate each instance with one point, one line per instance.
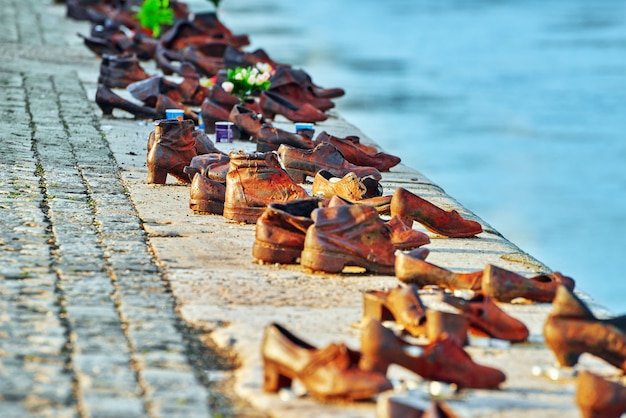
(154, 14)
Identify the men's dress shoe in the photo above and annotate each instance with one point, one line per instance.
(269, 138)
(254, 181)
(409, 207)
(247, 120)
(302, 163)
(272, 104)
(205, 64)
(487, 319)
(349, 187)
(118, 71)
(172, 150)
(598, 397)
(351, 235)
(571, 329)
(107, 101)
(286, 75)
(401, 305)
(329, 373)
(280, 230)
(441, 360)
(206, 196)
(300, 95)
(213, 165)
(504, 285)
(212, 112)
(359, 154)
(149, 90)
(422, 273)
(210, 24)
(234, 57)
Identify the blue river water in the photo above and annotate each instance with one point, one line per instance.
(516, 108)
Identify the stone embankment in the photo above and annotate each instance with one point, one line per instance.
(118, 301)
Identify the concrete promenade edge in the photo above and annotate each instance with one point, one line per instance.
(117, 301)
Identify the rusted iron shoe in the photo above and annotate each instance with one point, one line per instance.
(441, 360)
(504, 285)
(486, 319)
(571, 329)
(286, 75)
(359, 154)
(401, 305)
(272, 104)
(206, 196)
(119, 71)
(107, 100)
(329, 373)
(598, 397)
(302, 163)
(269, 138)
(390, 407)
(351, 235)
(280, 230)
(172, 150)
(300, 95)
(213, 165)
(350, 187)
(414, 270)
(410, 207)
(254, 181)
(440, 325)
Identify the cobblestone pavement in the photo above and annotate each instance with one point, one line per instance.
(87, 323)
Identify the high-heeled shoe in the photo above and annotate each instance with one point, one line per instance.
(422, 273)
(107, 101)
(401, 305)
(485, 318)
(598, 397)
(571, 330)
(410, 207)
(272, 104)
(330, 373)
(442, 360)
(504, 285)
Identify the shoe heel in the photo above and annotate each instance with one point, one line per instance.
(274, 254)
(204, 207)
(156, 175)
(107, 109)
(273, 379)
(317, 261)
(374, 308)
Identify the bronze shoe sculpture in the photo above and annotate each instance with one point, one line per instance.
(302, 163)
(280, 230)
(349, 187)
(254, 181)
(172, 150)
(401, 305)
(329, 373)
(504, 285)
(287, 75)
(410, 207)
(358, 154)
(107, 100)
(414, 270)
(350, 235)
(272, 104)
(149, 90)
(446, 325)
(269, 138)
(442, 360)
(206, 196)
(118, 71)
(213, 112)
(486, 319)
(598, 397)
(213, 165)
(571, 330)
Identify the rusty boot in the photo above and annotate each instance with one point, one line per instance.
(172, 150)
(350, 235)
(254, 181)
